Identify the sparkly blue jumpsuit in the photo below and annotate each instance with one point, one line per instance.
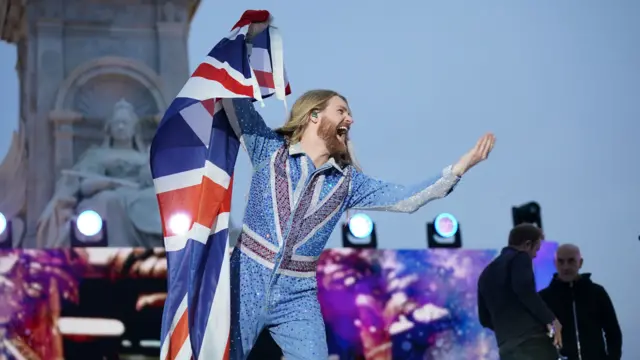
(292, 209)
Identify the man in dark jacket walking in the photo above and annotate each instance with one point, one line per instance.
(585, 310)
(509, 305)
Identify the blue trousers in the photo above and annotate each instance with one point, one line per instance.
(285, 305)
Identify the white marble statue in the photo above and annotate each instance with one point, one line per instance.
(113, 179)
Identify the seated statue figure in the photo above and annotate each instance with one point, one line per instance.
(114, 180)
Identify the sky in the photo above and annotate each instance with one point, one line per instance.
(557, 82)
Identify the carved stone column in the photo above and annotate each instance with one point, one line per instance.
(62, 122)
(173, 60)
(49, 69)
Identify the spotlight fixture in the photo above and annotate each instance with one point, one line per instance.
(88, 230)
(530, 212)
(444, 232)
(359, 232)
(6, 235)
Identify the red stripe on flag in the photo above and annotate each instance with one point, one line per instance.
(226, 349)
(209, 105)
(211, 202)
(252, 16)
(265, 79)
(201, 203)
(226, 204)
(180, 201)
(179, 336)
(210, 72)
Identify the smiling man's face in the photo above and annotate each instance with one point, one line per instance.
(335, 123)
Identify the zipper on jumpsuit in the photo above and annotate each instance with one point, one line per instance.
(575, 320)
(278, 259)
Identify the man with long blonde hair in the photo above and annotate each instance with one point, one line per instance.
(304, 178)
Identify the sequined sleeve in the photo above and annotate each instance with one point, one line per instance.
(371, 194)
(255, 135)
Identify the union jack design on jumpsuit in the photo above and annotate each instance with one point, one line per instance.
(292, 209)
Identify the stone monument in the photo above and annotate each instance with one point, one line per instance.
(113, 179)
(83, 66)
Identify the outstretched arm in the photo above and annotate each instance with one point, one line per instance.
(370, 194)
(255, 135)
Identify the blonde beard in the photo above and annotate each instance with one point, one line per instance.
(337, 148)
(350, 158)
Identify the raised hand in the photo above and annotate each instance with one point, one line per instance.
(478, 153)
(255, 29)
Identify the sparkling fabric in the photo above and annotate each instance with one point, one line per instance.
(292, 210)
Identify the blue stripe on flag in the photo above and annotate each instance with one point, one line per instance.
(262, 40)
(205, 270)
(224, 144)
(176, 106)
(177, 149)
(234, 52)
(177, 284)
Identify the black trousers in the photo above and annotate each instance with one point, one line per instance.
(538, 348)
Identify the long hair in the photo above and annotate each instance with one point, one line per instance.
(296, 124)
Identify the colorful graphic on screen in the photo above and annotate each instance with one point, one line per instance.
(387, 304)
(403, 304)
(81, 304)
(409, 304)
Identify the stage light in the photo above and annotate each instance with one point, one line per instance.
(179, 224)
(3, 223)
(359, 233)
(530, 212)
(89, 223)
(446, 225)
(360, 226)
(88, 230)
(6, 235)
(444, 232)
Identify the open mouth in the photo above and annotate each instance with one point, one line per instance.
(342, 132)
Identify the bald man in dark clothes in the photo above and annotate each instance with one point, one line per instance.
(509, 305)
(585, 309)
